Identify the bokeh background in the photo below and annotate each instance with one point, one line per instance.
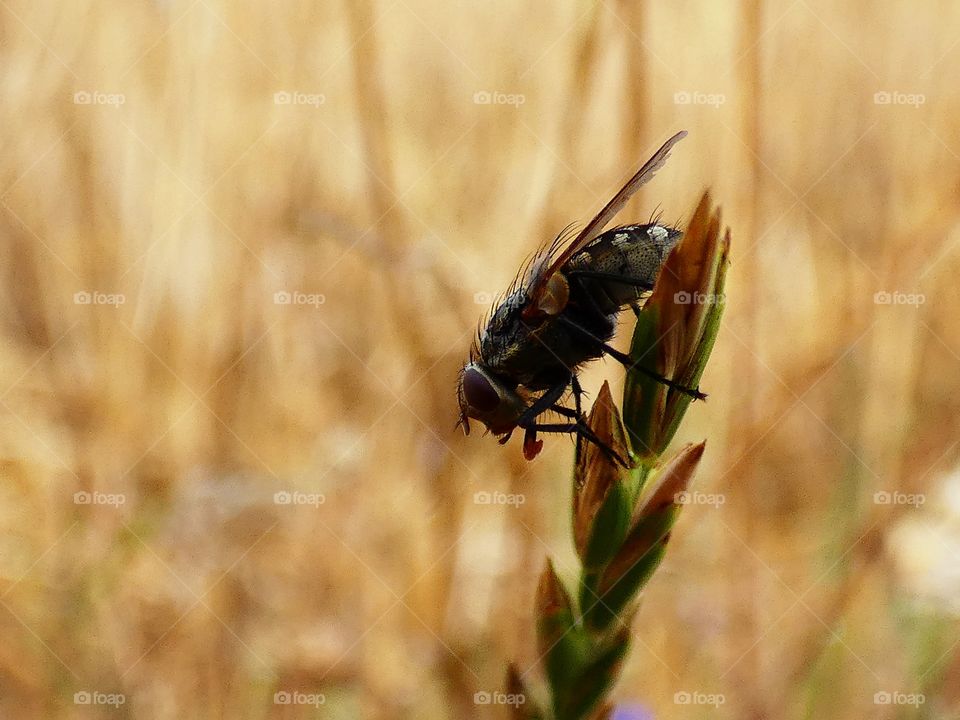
(244, 247)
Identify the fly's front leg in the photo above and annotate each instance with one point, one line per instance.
(544, 402)
(527, 420)
(582, 430)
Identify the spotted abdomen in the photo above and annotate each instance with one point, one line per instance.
(620, 265)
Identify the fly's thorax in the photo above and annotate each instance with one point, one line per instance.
(535, 355)
(504, 333)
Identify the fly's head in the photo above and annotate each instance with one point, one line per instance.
(485, 397)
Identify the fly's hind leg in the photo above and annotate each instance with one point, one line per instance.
(612, 277)
(641, 286)
(627, 362)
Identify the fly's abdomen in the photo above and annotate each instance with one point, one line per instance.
(621, 265)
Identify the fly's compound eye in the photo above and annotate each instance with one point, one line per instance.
(478, 391)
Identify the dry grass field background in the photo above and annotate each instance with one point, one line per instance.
(168, 167)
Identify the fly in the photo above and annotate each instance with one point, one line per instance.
(560, 314)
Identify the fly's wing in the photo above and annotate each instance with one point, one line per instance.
(595, 226)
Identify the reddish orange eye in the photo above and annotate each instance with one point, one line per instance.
(478, 391)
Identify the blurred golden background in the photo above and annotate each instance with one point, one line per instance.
(245, 247)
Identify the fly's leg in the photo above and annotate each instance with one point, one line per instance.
(549, 400)
(543, 403)
(629, 364)
(613, 352)
(527, 419)
(612, 277)
(641, 286)
(580, 276)
(576, 414)
(624, 359)
(582, 430)
(577, 392)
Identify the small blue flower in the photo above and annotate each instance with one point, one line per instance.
(631, 712)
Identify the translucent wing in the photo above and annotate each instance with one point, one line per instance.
(602, 218)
